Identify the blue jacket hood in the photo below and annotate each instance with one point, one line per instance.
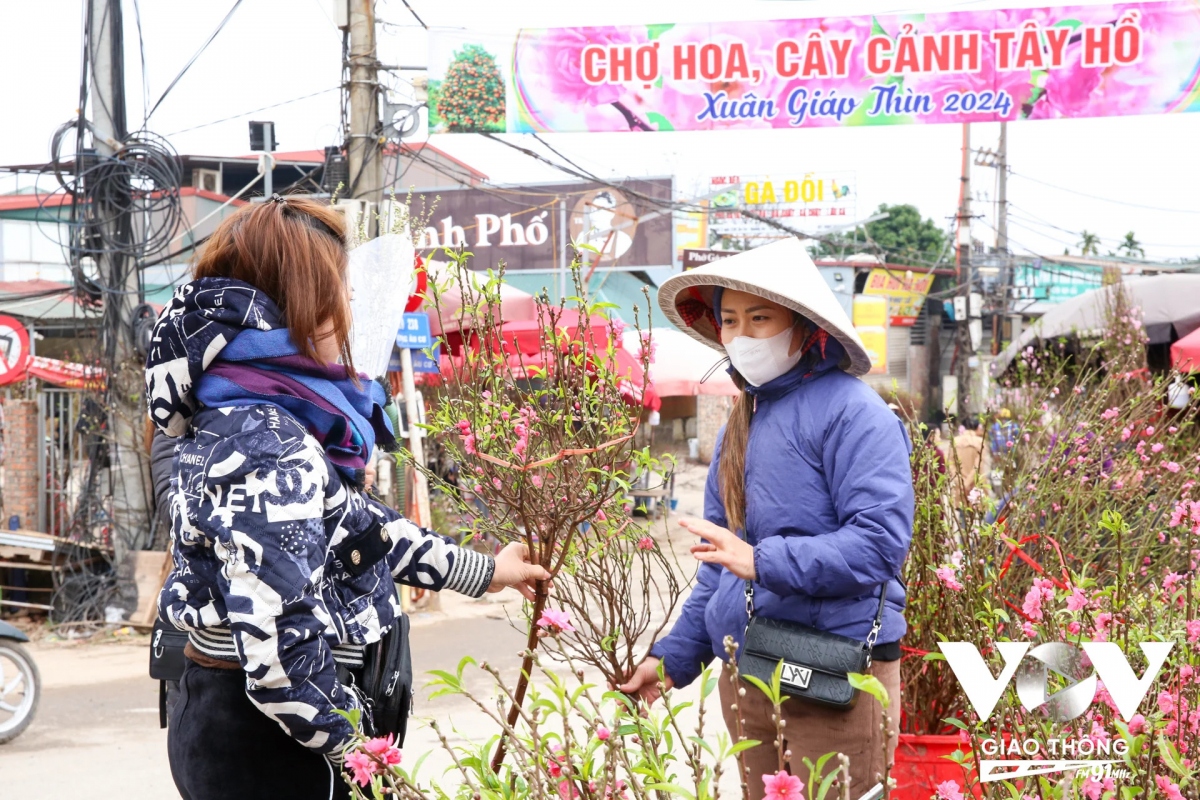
(202, 318)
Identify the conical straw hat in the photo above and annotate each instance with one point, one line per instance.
(782, 272)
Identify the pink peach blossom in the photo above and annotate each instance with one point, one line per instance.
(556, 621)
(949, 790)
(782, 786)
(947, 576)
(362, 766)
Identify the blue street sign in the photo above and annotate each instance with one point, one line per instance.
(420, 361)
(414, 332)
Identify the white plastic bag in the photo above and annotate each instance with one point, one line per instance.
(381, 276)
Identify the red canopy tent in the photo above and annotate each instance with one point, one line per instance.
(522, 341)
(1185, 353)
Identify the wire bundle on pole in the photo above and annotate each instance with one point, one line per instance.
(123, 205)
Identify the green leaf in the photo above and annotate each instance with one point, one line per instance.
(655, 31)
(1168, 753)
(762, 687)
(662, 123)
(958, 723)
(871, 685)
(826, 782)
(933, 656)
(743, 745)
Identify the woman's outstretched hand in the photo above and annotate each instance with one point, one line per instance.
(722, 547)
(513, 569)
(643, 681)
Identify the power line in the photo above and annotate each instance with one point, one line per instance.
(684, 206)
(1103, 199)
(1033, 219)
(414, 13)
(255, 111)
(192, 60)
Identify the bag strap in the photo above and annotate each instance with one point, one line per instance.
(876, 624)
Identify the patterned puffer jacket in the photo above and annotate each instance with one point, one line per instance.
(280, 561)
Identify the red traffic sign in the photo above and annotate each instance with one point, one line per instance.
(14, 350)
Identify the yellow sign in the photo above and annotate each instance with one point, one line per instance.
(870, 312)
(905, 292)
(874, 339)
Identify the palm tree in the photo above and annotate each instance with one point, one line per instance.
(1089, 244)
(1131, 247)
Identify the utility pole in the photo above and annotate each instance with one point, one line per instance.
(364, 150)
(1006, 276)
(962, 301)
(1002, 198)
(119, 274)
(106, 43)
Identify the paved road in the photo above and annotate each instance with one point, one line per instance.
(96, 733)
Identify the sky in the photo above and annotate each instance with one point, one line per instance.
(1108, 176)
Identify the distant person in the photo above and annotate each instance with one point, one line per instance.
(967, 460)
(1003, 434)
(283, 565)
(808, 510)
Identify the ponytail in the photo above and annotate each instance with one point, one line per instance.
(732, 468)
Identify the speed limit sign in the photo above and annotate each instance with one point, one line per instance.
(14, 350)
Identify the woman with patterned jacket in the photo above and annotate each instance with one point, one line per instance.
(283, 566)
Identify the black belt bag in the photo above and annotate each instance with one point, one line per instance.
(387, 678)
(815, 663)
(166, 661)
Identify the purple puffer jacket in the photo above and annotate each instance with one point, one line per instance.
(829, 510)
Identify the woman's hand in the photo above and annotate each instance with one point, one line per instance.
(721, 547)
(644, 681)
(513, 569)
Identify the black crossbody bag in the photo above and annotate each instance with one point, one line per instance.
(815, 663)
(385, 681)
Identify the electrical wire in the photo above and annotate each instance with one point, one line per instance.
(414, 13)
(126, 205)
(1091, 196)
(1032, 218)
(192, 60)
(137, 16)
(254, 111)
(689, 207)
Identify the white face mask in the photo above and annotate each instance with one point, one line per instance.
(760, 361)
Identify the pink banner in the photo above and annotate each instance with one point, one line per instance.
(973, 66)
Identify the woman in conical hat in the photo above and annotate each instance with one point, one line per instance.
(809, 497)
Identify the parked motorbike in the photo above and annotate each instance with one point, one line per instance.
(20, 684)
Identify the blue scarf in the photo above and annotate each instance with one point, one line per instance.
(238, 353)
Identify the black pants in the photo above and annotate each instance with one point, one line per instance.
(223, 748)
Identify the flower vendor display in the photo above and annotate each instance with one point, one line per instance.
(1087, 533)
(544, 442)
